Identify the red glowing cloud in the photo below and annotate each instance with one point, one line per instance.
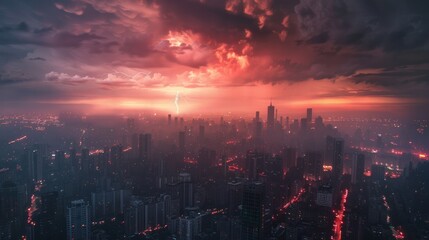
(93, 52)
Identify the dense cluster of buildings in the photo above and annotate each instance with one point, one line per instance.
(200, 179)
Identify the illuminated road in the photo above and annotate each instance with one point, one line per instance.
(339, 215)
(17, 140)
(396, 232)
(294, 199)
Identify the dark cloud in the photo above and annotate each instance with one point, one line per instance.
(138, 46)
(393, 25)
(102, 47)
(21, 27)
(43, 30)
(321, 38)
(209, 19)
(66, 39)
(37, 59)
(372, 42)
(396, 77)
(9, 81)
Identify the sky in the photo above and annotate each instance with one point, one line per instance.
(214, 56)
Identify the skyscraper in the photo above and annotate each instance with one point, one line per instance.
(252, 214)
(313, 165)
(84, 160)
(270, 116)
(135, 145)
(258, 131)
(182, 141)
(60, 161)
(145, 147)
(146, 213)
(73, 160)
(12, 209)
(116, 157)
(304, 124)
(254, 164)
(378, 173)
(234, 193)
(318, 122)
(37, 161)
(78, 221)
(337, 158)
(309, 115)
(289, 156)
(201, 132)
(358, 168)
(186, 190)
(48, 219)
(287, 123)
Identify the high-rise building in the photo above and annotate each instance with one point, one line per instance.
(304, 124)
(37, 161)
(379, 141)
(201, 132)
(186, 190)
(49, 218)
(135, 145)
(78, 221)
(182, 141)
(235, 193)
(258, 130)
(73, 160)
(295, 125)
(134, 218)
(116, 157)
(358, 168)
(378, 173)
(254, 164)
(309, 115)
(169, 119)
(337, 158)
(252, 213)
(190, 225)
(270, 116)
(12, 209)
(329, 150)
(109, 204)
(145, 147)
(324, 196)
(313, 165)
(146, 213)
(182, 193)
(289, 156)
(60, 161)
(131, 125)
(206, 157)
(84, 160)
(287, 123)
(318, 122)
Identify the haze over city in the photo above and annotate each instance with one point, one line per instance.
(214, 119)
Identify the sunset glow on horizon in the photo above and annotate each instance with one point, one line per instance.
(222, 56)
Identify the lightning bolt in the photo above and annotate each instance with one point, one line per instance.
(176, 102)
